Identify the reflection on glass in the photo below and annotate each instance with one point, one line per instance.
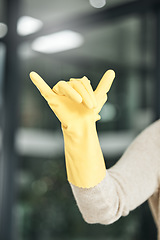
(58, 42)
(97, 3)
(3, 29)
(27, 25)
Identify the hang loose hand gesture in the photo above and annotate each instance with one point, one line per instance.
(77, 107)
(75, 99)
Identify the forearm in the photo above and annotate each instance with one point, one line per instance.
(102, 203)
(84, 159)
(127, 184)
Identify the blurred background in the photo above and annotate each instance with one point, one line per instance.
(59, 40)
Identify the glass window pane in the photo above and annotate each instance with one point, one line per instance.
(46, 208)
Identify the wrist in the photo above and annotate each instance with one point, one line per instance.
(80, 128)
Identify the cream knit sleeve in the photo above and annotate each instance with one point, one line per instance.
(129, 183)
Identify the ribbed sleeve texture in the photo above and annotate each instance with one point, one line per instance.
(130, 182)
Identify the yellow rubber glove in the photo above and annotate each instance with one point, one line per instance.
(77, 107)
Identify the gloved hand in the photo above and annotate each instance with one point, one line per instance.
(77, 107)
